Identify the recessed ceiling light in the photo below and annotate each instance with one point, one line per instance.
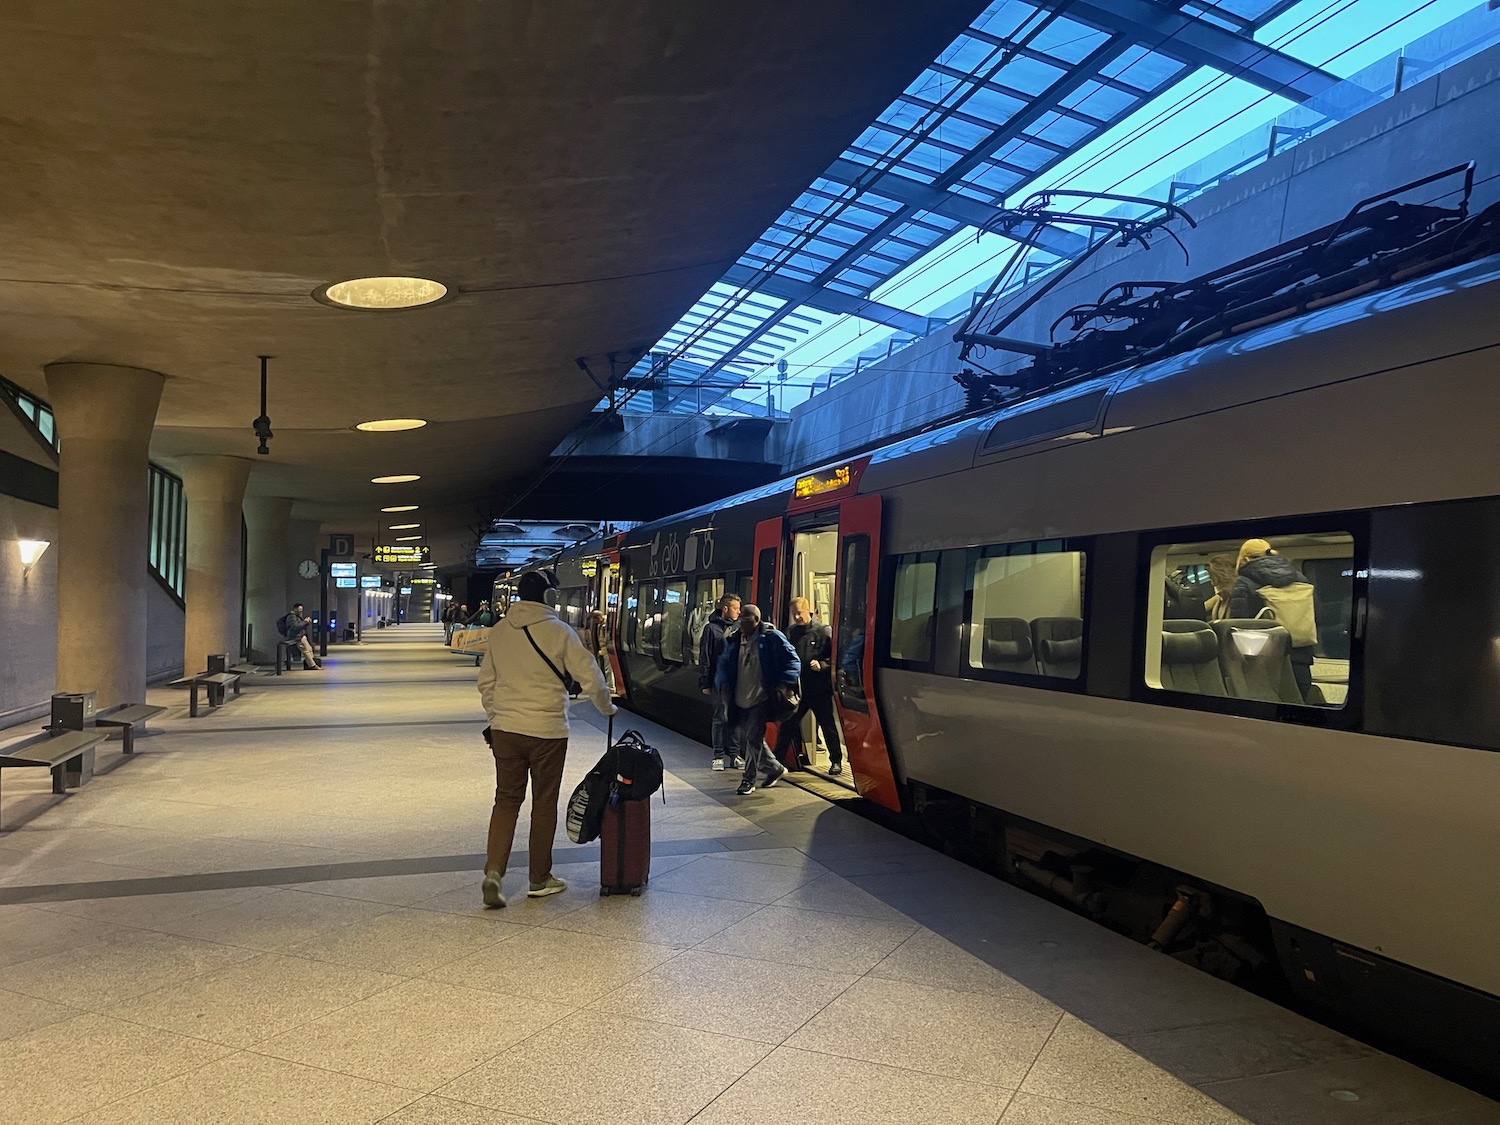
(382, 293)
(400, 508)
(404, 526)
(407, 538)
(403, 479)
(390, 425)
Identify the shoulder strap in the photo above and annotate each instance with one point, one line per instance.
(527, 630)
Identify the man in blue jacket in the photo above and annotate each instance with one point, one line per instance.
(759, 664)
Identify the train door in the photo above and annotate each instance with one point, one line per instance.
(854, 650)
(812, 566)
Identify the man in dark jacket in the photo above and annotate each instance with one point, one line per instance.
(814, 645)
(295, 627)
(759, 664)
(710, 648)
(1261, 567)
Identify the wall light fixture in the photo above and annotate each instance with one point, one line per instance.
(31, 550)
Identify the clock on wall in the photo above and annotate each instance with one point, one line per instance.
(308, 569)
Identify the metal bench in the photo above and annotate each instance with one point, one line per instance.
(68, 754)
(215, 682)
(129, 719)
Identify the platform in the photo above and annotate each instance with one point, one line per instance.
(272, 914)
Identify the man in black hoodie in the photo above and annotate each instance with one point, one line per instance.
(1261, 569)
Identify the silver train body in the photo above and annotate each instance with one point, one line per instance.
(1383, 844)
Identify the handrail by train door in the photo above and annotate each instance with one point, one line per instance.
(854, 639)
(611, 584)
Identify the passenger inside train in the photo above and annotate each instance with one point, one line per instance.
(1272, 625)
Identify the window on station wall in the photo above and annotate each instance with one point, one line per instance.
(913, 603)
(648, 617)
(1263, 616)
(706, 595)
(167, 543)
(34, 410)
(674, 631)
(1026, 609)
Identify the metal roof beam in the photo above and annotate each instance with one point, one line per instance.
(1191, 40)
(828, 300)
(960, 208)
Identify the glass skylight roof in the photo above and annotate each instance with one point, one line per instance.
(1023, 87)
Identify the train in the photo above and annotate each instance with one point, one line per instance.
(1026, 670)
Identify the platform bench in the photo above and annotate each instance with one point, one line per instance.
(69, 755)
(286, 652)
(215, 682)
(129, 719)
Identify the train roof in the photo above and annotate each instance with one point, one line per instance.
(1440, 314)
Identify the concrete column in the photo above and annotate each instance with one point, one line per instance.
(215, 488)
(104, 419)
(266, 518)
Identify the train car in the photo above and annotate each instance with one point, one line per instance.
(1028, 660)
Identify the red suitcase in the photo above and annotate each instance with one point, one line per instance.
(625, 848)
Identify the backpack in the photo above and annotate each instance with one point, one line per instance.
(1292, 607)
(630, 770)
(281, 627)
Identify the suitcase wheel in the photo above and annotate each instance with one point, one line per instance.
(635, 893)
(604, 892)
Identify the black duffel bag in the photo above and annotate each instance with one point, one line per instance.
(630, 769)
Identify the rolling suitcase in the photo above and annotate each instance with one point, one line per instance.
(625, 847)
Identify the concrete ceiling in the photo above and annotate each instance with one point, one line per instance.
(178, 177)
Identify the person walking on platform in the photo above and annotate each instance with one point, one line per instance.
(295, 627)
(759, 664)
(710, 648)
(532, 653)
(814, 645)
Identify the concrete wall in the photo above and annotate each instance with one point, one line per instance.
(28, 607)
(1443, 121)
(165, 624)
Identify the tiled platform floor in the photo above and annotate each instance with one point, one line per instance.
(271, 915)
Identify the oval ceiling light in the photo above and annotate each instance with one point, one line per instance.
(400, 508)
(383, 293)
(404, 526)
(407, 538)
(405, 478)
(391, 425)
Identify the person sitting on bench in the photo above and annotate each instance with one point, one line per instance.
(294, 627)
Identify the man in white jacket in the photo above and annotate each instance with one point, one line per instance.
(521, 682)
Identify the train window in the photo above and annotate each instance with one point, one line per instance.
(1026, 617)
(632, 600)
(705, 605)
(912, 607)
(1262, 616)
(854, 588)
(674, 633)
(765, 584)
(648, 617)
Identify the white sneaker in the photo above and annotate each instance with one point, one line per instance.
(718, 765)
(551, 885)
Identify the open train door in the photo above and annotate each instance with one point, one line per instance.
(854, 646)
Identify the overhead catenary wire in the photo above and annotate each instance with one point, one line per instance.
(1291, 35)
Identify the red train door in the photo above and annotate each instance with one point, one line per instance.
(854, 643)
